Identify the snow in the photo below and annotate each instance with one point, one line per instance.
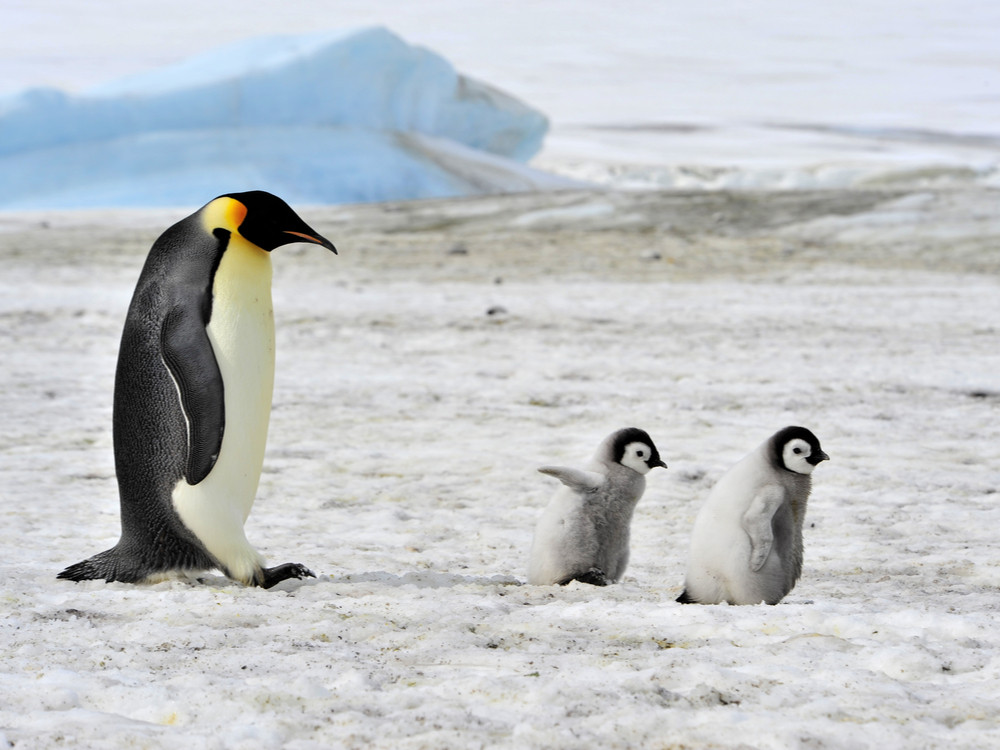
(328, 117)
(407, 427)
(455, 345)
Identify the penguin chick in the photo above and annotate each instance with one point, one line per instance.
(583, 533)
(192, 396)
(746, 546)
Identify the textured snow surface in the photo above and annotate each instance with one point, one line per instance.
(424, 373)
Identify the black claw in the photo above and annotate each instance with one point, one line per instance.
(272, 576)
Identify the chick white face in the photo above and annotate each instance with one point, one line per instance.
(798, 456)
(636, 456)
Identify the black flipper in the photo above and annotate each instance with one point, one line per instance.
(188, 355)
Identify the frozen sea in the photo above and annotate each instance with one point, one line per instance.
(454, 346)
(641, 93)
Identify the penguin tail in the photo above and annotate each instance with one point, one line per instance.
(104, 565)
(81, 571)
(685, 598)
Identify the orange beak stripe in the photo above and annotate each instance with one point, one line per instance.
(306, 237)
(310, 238)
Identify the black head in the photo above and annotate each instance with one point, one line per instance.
(797, 450)
(634, 448)
(270, 222)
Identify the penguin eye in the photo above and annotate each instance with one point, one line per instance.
(796, 451)
(640, 453)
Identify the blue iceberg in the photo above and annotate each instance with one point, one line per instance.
(333, 117)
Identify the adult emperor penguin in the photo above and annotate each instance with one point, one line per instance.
(193, 396)
(583, 533)
(746, 546)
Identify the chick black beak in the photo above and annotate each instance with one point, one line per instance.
(656, 463)
(816, 459)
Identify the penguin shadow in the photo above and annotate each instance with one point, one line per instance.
(219, 581)
(423, 580)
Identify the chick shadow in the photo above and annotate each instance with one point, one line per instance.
(423, 580)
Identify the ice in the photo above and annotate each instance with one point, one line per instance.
(333, 117)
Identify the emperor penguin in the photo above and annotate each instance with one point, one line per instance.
(192, 396)
(583, 533)
(746, 546)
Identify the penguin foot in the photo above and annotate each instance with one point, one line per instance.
(268, 577)
(594, 576)
(685, 598)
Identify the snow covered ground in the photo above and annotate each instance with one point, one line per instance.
(422, 376)
(452, 347)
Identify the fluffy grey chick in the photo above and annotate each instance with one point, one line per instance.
(583, 533)
(746, 546)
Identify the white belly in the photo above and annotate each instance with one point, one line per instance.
(242, 335)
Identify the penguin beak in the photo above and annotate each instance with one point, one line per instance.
(818, 458)
(657, 463)
(319, 240)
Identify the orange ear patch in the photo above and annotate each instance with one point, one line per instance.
(235, 213)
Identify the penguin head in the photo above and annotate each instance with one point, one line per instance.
(797, 450)
(634, 448)
(267, 221)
